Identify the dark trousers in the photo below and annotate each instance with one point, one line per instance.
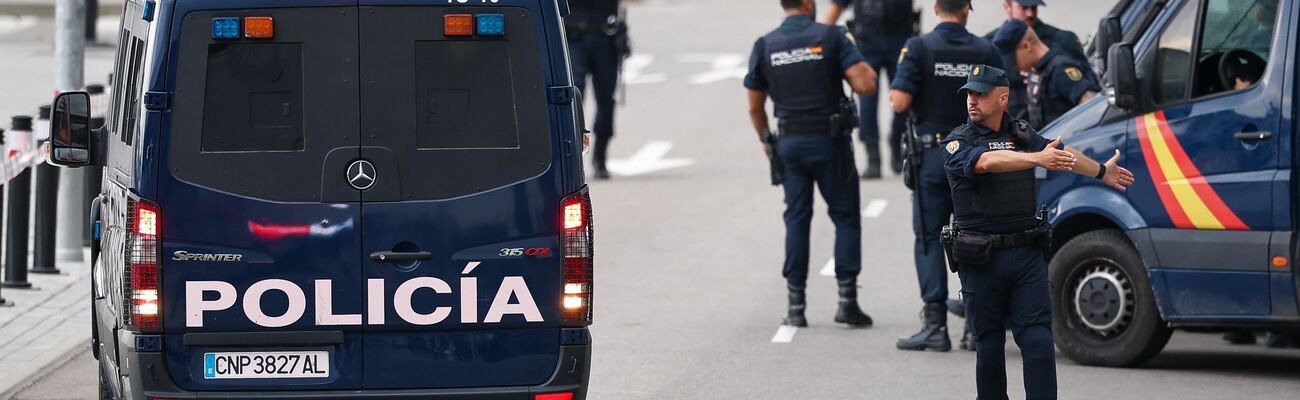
(881, 52)
(933, 205)
(1011, 290)
(593, 54)
(827, 164)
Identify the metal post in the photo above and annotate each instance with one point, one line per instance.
(70, 55)
(47, 190)
(2, 187)
(18, 205)
(92, 18)
(94, 174)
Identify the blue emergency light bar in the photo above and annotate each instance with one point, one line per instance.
(490, 24)
(225, 28)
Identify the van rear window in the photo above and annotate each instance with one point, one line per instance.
(253, 98)
(447, 71)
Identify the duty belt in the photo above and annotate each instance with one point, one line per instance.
(827, 126)
(930, 140)
(575, 26)
(1030, 237)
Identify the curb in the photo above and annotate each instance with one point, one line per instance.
(66, 353)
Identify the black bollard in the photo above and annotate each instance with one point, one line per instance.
(92, 18)
(17, 202)
(47, 191)
(94, 174)
(2, 187)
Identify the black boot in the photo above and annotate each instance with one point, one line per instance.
(794, 314)
(849, 312)
(598, 159)
(967, 341)
(934, 331)
(956, 307)
(873, 161)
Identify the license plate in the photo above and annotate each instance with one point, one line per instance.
(270, 364)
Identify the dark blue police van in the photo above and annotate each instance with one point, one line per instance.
(339, 199)
(1202, 106)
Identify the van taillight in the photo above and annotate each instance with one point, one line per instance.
(575, 218)
(143, 307)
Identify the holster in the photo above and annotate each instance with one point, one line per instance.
(973, 249)
(946, 239)
(776, 166)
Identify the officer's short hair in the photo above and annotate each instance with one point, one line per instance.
(788, 4)
(952, 7)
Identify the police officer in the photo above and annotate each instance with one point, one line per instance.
(598, 44)
(881, 27)
(802, 66)
(997, 242)
(1057, 82)
(930, 71)
(1027, 11)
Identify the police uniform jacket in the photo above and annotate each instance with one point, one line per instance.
(1066, 40)
(932, 67)
(801, 66)
(1055, 86)
(996, 203)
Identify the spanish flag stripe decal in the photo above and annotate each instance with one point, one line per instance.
(1190, 201)
(1211, 199)
(1158, 177)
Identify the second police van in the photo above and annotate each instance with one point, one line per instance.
(1202, 106)
(339, 199)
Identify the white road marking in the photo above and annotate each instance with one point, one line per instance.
(875, 208)
(784, 334)
(634, 70)
(10, 24)
(648, 159)
(724, 66)
(829, 269)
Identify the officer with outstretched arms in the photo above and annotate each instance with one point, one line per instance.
(1057, 82)
(930, 71)
(999, 239)
(802, 66)
(598, 43)
(881, 28)
(1027, 11)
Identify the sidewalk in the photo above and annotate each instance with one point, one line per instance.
(45, 8)
(46, 324)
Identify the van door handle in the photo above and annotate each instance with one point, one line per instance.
(392, 256)
(1253, 136)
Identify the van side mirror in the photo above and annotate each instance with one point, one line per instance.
(1121, 75)
(1108, 32)
(70, 131)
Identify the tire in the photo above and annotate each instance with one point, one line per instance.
(1103, 308)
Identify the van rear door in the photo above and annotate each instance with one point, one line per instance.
(460, 227)
(261, 233)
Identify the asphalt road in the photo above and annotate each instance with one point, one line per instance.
(689, 288)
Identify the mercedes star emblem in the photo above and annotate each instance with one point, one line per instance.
(361, 174)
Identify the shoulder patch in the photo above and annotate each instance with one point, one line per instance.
(902, 54)
(953, 146)
(1024, 125)
(1074, 73)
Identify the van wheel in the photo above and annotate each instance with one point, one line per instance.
(1103, 310)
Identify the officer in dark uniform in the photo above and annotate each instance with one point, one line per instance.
(598, 44)
(1027, 11)
(930, 71)
(1057, 82)
(881, 27)
(802, 66)
(999, 239)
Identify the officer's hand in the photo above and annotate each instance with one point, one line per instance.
(1116, 176)
(1055, 159)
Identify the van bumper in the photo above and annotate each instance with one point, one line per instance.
(147, 378)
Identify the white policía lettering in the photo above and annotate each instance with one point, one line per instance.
(468, 300)
(516, 287)
(195, 305)
(402, 301)
(952, 70)
(375, 301)
(325, 307)
(253, 303)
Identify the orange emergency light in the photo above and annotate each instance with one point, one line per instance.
(259, 28)
(458, 25)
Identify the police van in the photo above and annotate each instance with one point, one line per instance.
(339, 199)
(1202, 106)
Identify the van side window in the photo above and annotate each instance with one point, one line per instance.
(1234, 44)
(131, 81)
(1173, 56)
